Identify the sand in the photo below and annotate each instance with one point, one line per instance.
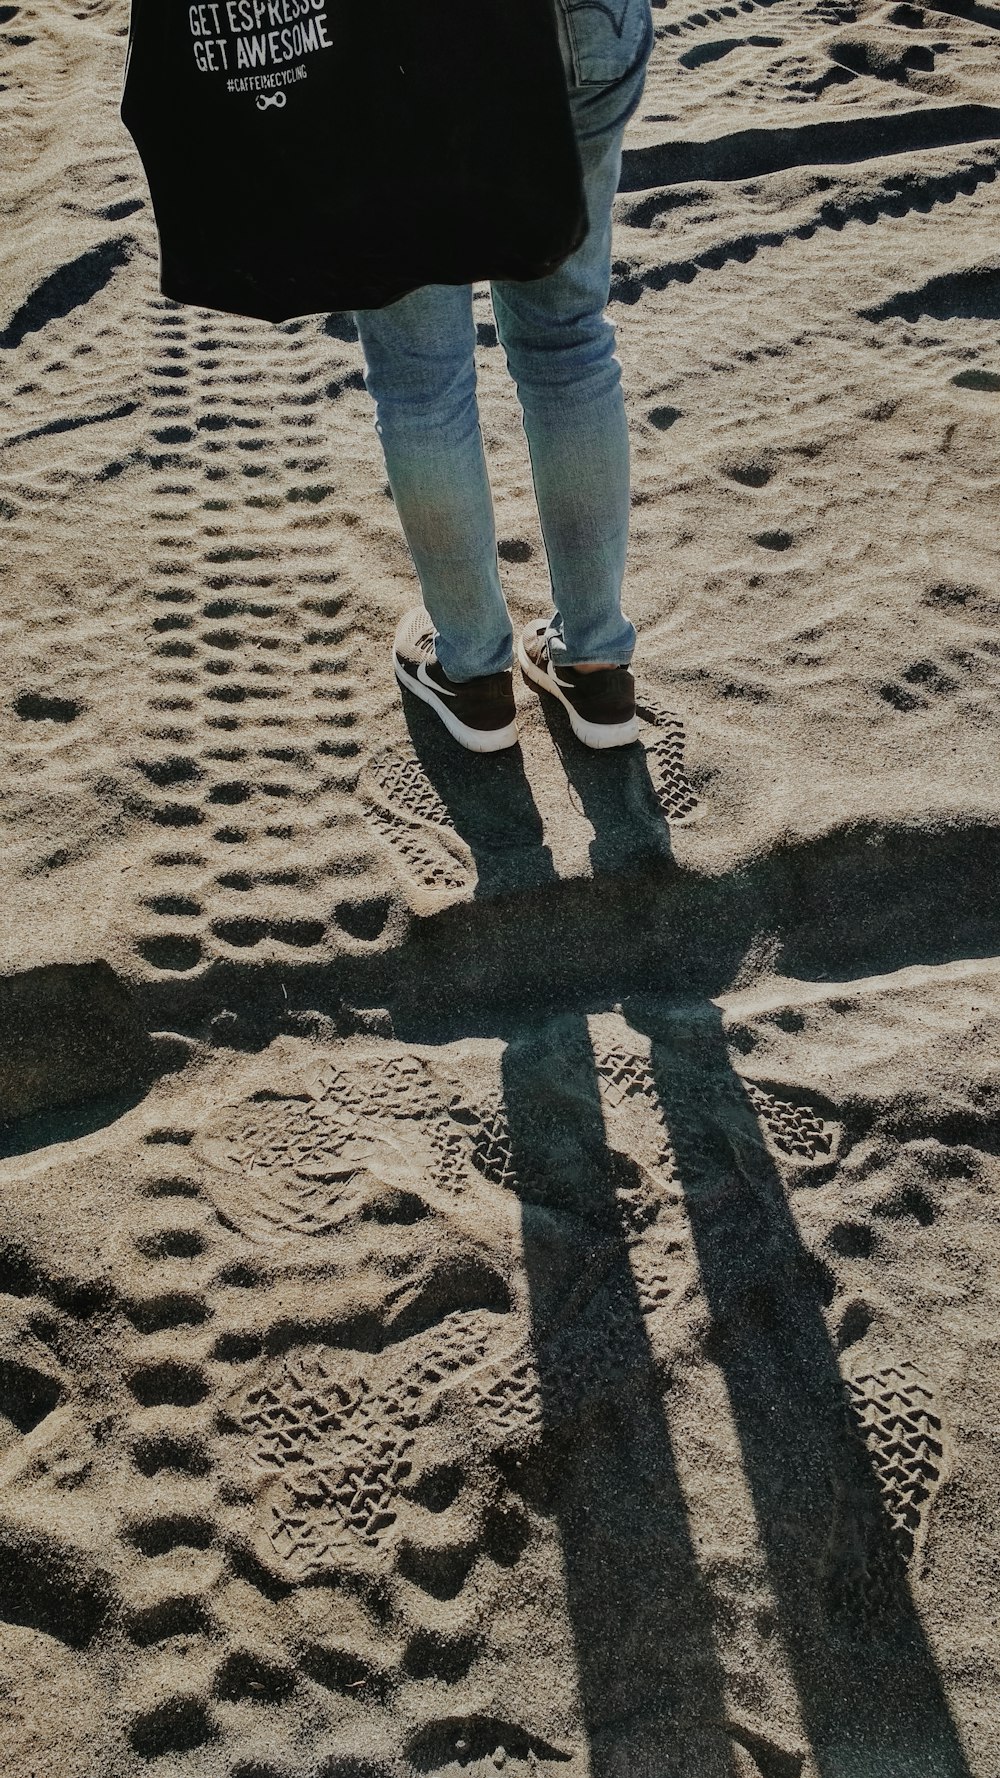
(498, 1257)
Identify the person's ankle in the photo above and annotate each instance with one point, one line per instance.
(594, 666)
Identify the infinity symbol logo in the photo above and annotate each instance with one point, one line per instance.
(263, 102)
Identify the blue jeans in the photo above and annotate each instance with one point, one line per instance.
(420, 371)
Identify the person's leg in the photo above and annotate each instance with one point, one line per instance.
(561, 352)
(420, 370)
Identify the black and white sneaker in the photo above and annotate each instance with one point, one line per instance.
(479, 713)
(600, 705)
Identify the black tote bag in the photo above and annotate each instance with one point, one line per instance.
(314, 155)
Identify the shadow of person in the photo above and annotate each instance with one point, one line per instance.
(489, 801)
(649, 1686)
(616, 794)
(870, 1694)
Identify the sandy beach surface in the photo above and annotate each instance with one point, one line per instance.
(498, 1257)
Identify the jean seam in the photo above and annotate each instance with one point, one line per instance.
(587, 88)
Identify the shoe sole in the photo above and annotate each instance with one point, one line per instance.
(475, 740)
(592, 734)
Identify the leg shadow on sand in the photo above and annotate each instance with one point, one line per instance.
(869, 1692)
(490, 805)
(649, 1686)
(642, 1610)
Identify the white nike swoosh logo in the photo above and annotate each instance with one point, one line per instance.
(432, 685)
